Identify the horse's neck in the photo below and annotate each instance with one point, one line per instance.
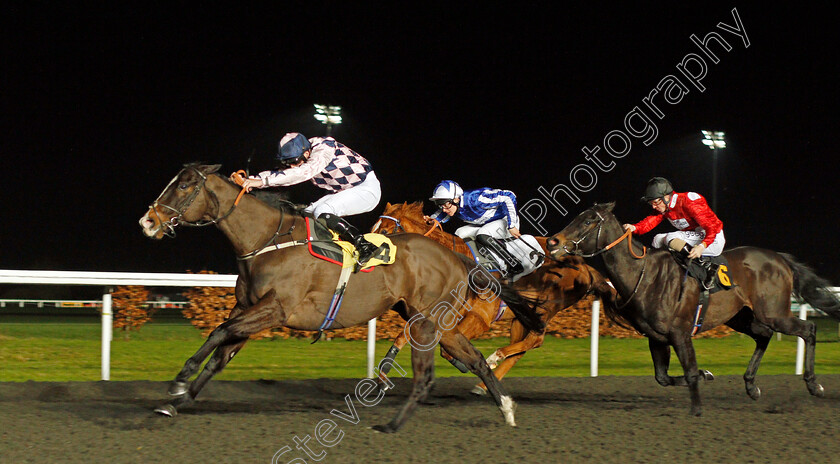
(252, 223)
(623, 268)
(451, 241)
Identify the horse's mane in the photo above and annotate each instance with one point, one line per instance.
(414, 212)
(277, 199)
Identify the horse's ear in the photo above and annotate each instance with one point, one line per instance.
(387, 204)
(210, 168)
(608, 207)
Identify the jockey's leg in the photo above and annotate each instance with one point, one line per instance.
(347, 232)
(487, 235)
(354, 200)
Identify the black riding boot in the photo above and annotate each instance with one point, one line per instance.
(513, 265)
(711, 271)
(681, 248)
(351, 234)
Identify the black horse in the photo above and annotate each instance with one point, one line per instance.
(659, 303)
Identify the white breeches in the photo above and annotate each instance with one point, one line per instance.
(355, 200)
(496, 229)
(692, 238)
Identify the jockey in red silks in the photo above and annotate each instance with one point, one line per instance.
(699, 227)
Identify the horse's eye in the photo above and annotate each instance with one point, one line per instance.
(587, 222)
(182, 186)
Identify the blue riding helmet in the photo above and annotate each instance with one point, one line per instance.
(446, 191)
(292, 147)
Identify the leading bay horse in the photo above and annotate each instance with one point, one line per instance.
(658, 302)
(558, 285)
(287, 287)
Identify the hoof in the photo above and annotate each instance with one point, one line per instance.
(166, 410)
(817, 390)
(707, 375)
(478, 391)
(177, 388)
(696, 413)
(493, 360)
(754, 392)
(384, 428)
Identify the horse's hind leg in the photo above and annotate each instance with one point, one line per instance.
(806, 330)
(422, 332)
(385, 365)
(459, 347)
(746, 323)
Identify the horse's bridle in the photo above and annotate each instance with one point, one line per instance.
(576, 243)
(399, 226)
(397, 222)
(178, 219)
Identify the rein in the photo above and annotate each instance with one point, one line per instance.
(273, 239)
(174, 221)
(615, 242)
(434, 226)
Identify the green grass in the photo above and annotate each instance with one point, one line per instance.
(69, 350)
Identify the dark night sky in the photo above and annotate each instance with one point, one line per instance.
(100, 108)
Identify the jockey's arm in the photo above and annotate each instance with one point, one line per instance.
(647, 224)
(318, 160)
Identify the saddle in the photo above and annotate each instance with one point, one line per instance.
(527, 251)
(699, 269)
(324, 244)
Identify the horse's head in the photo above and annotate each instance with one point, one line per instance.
(581, 236)
(401, 217)
(184, 200)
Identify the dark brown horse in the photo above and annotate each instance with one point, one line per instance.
(558, 284)
(658, 302)
(288, 287)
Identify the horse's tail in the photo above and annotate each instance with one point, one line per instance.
(524, 308)
(812, 288)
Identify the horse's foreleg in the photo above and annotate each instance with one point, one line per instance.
(226, 339)
(217, 362)
(459, 347)
(531, 341)
(216, 338)
(517, 334)
(661, 354)
(423, 365)
(688, 359)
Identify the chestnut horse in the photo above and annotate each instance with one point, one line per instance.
(280, 284)
(659, 303)
(558, 284)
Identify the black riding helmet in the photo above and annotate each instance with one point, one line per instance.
(657, 187)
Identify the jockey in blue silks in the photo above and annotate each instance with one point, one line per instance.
(490, 214)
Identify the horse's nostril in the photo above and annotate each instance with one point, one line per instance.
(552, 242)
